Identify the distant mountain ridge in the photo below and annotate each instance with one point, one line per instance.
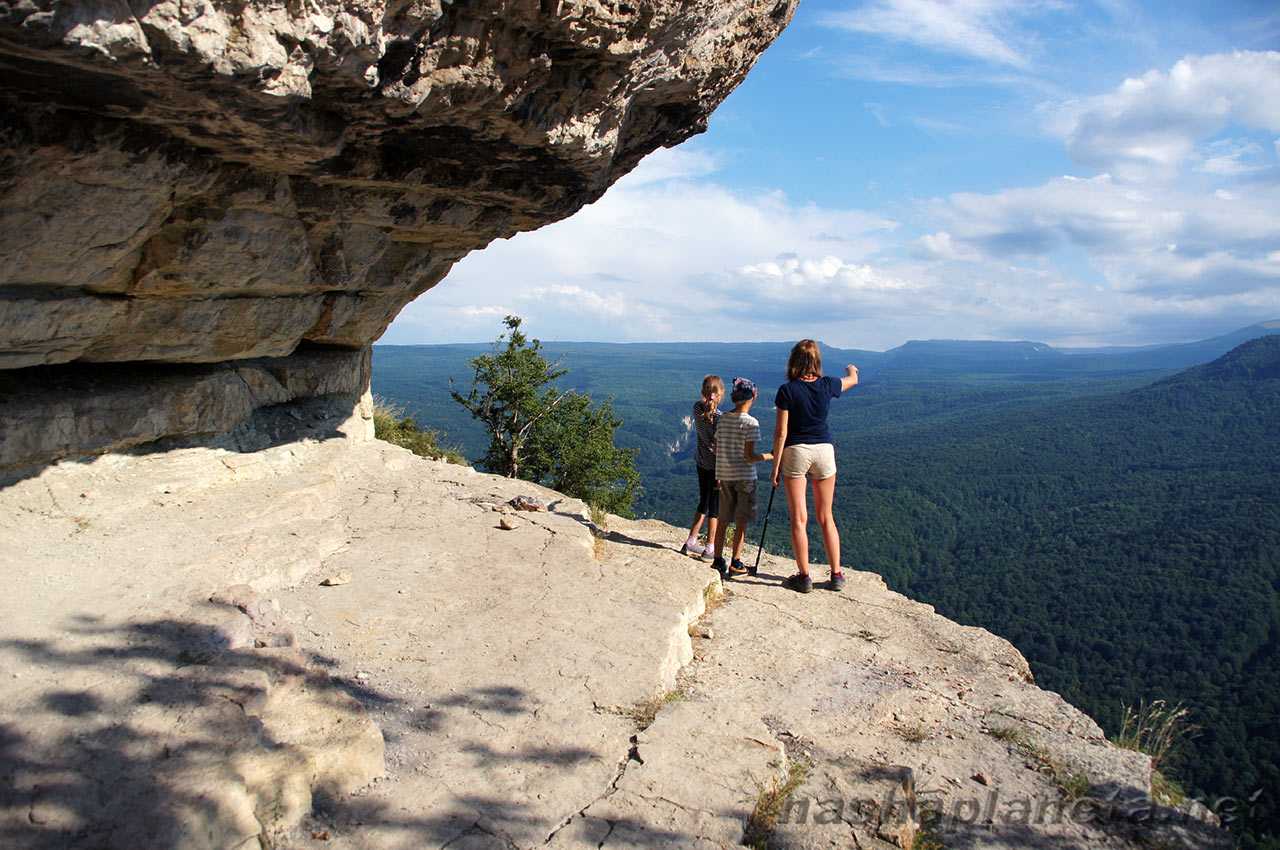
(1255, 360)
(1013, 356)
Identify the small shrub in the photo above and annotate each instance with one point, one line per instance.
(769, 802)
(928, 836)
(392, 425)
(912, 733)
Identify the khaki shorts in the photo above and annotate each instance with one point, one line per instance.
(816, 461)
(738, 502)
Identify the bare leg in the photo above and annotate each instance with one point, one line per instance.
(713, 528)
(697, 526)
(799, 520)
(719, 529)
(739, 534)
(824, 492)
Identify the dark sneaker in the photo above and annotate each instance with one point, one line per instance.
(836, 583)
(737, 568)
(720, 566)
(799, 582)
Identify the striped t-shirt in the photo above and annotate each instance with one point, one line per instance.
(732, 433)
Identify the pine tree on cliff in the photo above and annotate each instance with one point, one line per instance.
(541, 434)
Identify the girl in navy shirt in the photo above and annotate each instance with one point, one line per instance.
(802, 448)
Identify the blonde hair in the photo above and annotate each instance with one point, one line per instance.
(711, 383)
(805, 359)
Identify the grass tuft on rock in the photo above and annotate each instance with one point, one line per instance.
(1159, 730)
(1073, 784)
(912, 733)
(646, 711)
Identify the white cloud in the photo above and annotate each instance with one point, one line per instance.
(979, 29)
(872, 69)
(476, 311)
(1150, 125)
(568, 300)
(1231, 157)
(649, 260)
(940, 246)
(823, 276)
(1157, 239)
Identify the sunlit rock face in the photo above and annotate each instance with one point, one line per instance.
(195, 181)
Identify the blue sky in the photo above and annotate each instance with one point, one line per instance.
(1071, 172)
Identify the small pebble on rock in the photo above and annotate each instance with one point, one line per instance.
(336, 579)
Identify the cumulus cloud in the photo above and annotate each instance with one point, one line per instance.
(604, 308)
(978, 29)
(940, 246)
(1150, 126)
(651, 259)
(1159, 240)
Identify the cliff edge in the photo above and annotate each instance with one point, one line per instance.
(297, 637)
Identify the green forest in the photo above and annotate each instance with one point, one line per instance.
(1116, 517)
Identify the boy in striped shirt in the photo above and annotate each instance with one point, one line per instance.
(736, 437)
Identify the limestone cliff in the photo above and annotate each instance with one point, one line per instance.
(202, 181)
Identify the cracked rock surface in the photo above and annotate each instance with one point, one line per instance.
(176, 675)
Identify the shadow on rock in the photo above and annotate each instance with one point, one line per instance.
(172, 733)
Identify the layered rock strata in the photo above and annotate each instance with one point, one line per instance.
(212, 181)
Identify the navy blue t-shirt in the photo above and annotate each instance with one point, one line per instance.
(806, 403)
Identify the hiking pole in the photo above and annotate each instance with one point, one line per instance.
(767, 511)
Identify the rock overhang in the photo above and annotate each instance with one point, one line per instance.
(226, 181)
(205, 181)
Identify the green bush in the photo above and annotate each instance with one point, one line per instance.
(392, 425)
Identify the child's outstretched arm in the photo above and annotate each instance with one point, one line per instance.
(850, 379)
